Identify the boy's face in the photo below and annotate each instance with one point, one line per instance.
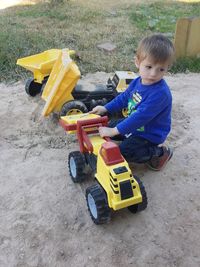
(149, 71)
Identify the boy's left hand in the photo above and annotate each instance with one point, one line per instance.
(106, 131)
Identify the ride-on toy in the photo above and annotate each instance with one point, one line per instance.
(115, 186)
(56, 77)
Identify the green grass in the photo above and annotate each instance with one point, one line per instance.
(186, 65)
(82, 25)
(161, 16)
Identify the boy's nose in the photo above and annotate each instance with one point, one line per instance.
(153, 72)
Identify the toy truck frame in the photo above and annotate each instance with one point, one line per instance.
(115, 186)
(55, 77)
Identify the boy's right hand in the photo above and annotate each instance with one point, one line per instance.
(99, 110)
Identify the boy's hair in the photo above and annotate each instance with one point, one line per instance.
(158, 47)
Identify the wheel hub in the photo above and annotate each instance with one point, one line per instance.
(92, 206)
(74, 112)
(72, 167)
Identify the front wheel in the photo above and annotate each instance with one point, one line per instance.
(141, 206)
(97, 204)
(77, 165)
(32, 88)
(73, 107)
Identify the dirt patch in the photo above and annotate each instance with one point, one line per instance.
(44, 219)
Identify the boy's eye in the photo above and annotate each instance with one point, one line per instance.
(148, 67)
(162, 69)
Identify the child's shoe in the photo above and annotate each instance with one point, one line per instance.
(157, 163)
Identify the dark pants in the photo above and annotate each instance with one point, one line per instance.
(134, 148)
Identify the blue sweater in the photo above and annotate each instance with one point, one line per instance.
(149, 109)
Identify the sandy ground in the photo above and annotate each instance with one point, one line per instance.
(43, 215)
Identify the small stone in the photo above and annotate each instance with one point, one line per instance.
(21, 256)
(21, 146)
(62, 253)
(187, 71)
(108, 47)
(33, 245)
(113, 13)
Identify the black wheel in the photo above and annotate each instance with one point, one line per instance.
(97, 204)
(141, 206)
(32, 88)
(77, 165)
(73, 107)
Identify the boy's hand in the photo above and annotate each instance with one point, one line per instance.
(99, 110)
(106, 131)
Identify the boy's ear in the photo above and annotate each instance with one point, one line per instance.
(137, 63)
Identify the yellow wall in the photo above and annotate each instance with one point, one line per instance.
(187, 37)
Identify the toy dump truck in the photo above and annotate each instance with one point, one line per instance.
(115, 186)
(56, 77)
(41, 66)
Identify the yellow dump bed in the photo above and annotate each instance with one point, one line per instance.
(41, 64)
(61, 82)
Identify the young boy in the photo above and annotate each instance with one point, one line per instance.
(149, 102)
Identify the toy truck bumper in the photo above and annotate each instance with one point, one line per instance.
(116, 205)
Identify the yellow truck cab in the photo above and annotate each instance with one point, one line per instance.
(121, 80)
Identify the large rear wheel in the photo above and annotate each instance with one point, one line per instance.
(73, 107)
